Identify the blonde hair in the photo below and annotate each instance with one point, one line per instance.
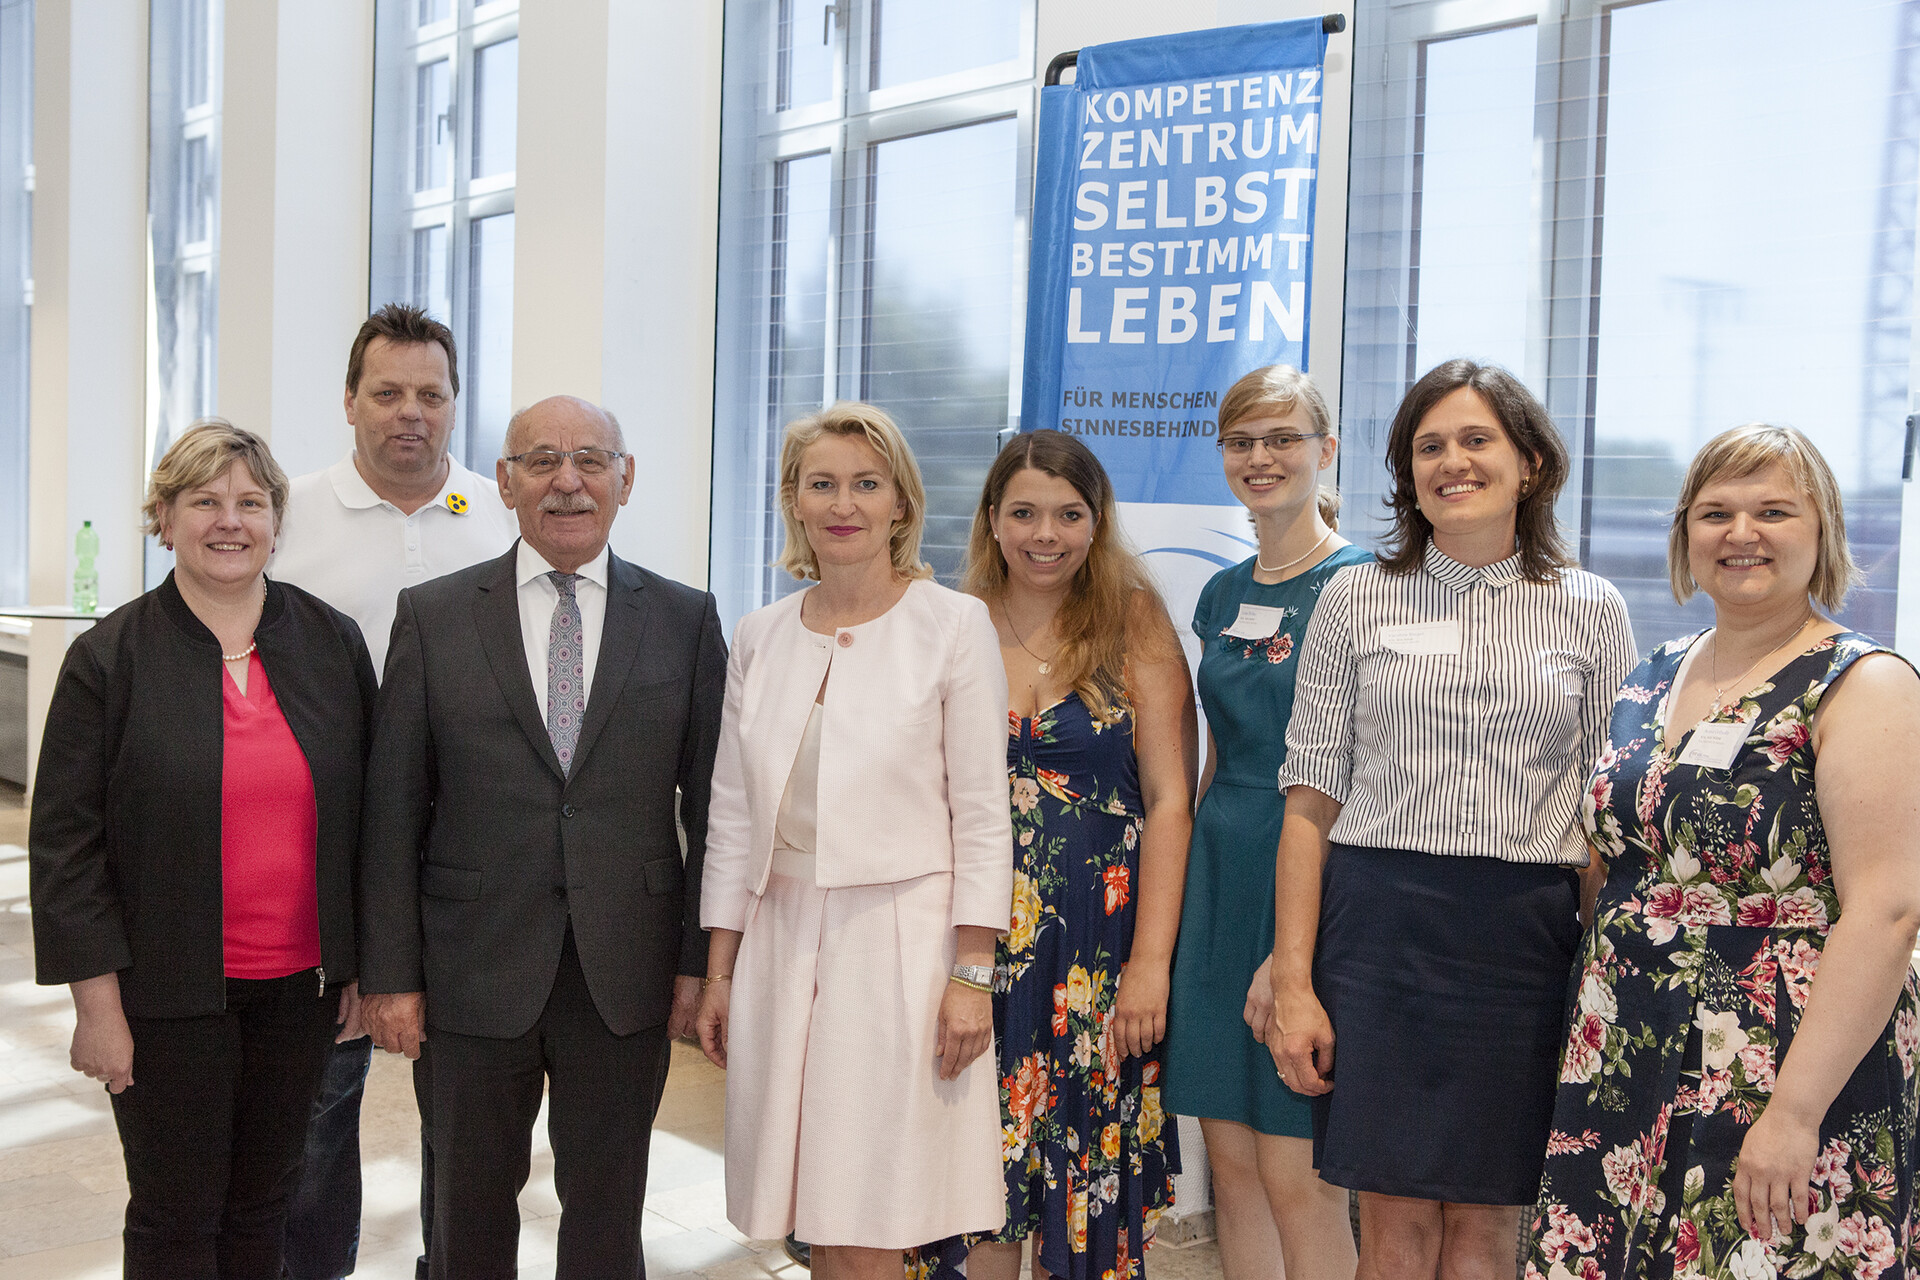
(1271, 392)
(201, 455)
(870, 423)
(1112, 612)
(1747, 450)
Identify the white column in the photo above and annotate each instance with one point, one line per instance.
(296, 159)
(662, 253)
(616, 211)
(324, 109)
(244, 327)
(89, 327)
(559, 203)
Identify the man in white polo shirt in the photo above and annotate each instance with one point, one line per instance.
(396, 511)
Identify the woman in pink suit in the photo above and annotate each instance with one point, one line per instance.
(859, 868)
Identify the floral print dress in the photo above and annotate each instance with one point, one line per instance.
(1706, 939)
(1088, 1154)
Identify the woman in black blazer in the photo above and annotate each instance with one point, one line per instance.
(195, 821)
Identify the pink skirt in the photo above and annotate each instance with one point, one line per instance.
(838, 1126)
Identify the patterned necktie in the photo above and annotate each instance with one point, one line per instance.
(566, 672)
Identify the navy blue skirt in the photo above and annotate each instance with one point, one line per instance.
(1446, 979)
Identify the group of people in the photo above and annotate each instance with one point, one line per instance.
(1472, 917)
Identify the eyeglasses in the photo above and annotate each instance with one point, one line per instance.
(1278, 442)
(546, 462)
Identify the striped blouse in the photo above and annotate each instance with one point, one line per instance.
(1458, 710)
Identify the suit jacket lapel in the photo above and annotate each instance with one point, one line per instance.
(620, 638)
(496, 614)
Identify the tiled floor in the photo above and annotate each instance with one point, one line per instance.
(62, 1189)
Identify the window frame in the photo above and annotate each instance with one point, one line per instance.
(747, 343)
(471, 26)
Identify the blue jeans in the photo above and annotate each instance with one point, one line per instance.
(323, 1220)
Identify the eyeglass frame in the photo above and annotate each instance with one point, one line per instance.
(614, 457)
(1297, 439)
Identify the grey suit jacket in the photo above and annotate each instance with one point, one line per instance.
(476, 850)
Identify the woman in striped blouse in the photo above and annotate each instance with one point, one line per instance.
(1451, 700)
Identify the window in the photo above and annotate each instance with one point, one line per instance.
(16, 287)
(183, 220)
(446, 106)
(875, 181)
(1632, 207)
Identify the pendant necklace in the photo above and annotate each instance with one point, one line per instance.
(1267, 568)
(1046, 666)
(1714, 667)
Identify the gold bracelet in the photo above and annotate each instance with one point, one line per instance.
(969, 984)
(718, 977)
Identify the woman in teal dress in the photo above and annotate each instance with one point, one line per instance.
(1275, 437)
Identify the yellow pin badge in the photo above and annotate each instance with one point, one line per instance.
(457, 503)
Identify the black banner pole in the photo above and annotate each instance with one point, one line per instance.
(1332, 24)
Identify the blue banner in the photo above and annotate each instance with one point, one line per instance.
(1172, 244)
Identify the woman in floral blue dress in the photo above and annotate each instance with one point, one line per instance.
(1100, 751)
(1737, 1092)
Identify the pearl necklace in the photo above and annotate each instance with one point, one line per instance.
(247, 652)
(1267, 568)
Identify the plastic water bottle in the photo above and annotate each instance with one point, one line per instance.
(86, 577)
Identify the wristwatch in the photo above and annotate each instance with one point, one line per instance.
(980, 975)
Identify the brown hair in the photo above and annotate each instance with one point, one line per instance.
(1543, 552)
(871, 423)
(1747, 450)
(1112, 612)
(201, 455)
(1274, 390)
(401, 324)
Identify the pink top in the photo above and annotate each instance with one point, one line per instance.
(269, 831)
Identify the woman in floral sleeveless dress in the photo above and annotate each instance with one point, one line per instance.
(1730, 1106)
(1100, 752)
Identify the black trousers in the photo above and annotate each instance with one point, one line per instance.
(602, 1093)
(213, 1127)
(423, 1100)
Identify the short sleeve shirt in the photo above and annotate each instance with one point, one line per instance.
(355, 550)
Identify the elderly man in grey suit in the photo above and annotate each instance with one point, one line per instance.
(524, 901)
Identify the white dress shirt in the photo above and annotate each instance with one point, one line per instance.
(355, 550)
(1458, 710)
(538, 595)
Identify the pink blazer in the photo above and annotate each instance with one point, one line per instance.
(913, 754)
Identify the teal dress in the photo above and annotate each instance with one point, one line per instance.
(1213, 1067)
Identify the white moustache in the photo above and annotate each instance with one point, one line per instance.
(567, 504)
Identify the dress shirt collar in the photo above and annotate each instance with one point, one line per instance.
(457, 491)
(1465, 577)
(530, 565)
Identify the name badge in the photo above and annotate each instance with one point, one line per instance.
(1713, 746)
(1257, 622)
(1423, 639)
